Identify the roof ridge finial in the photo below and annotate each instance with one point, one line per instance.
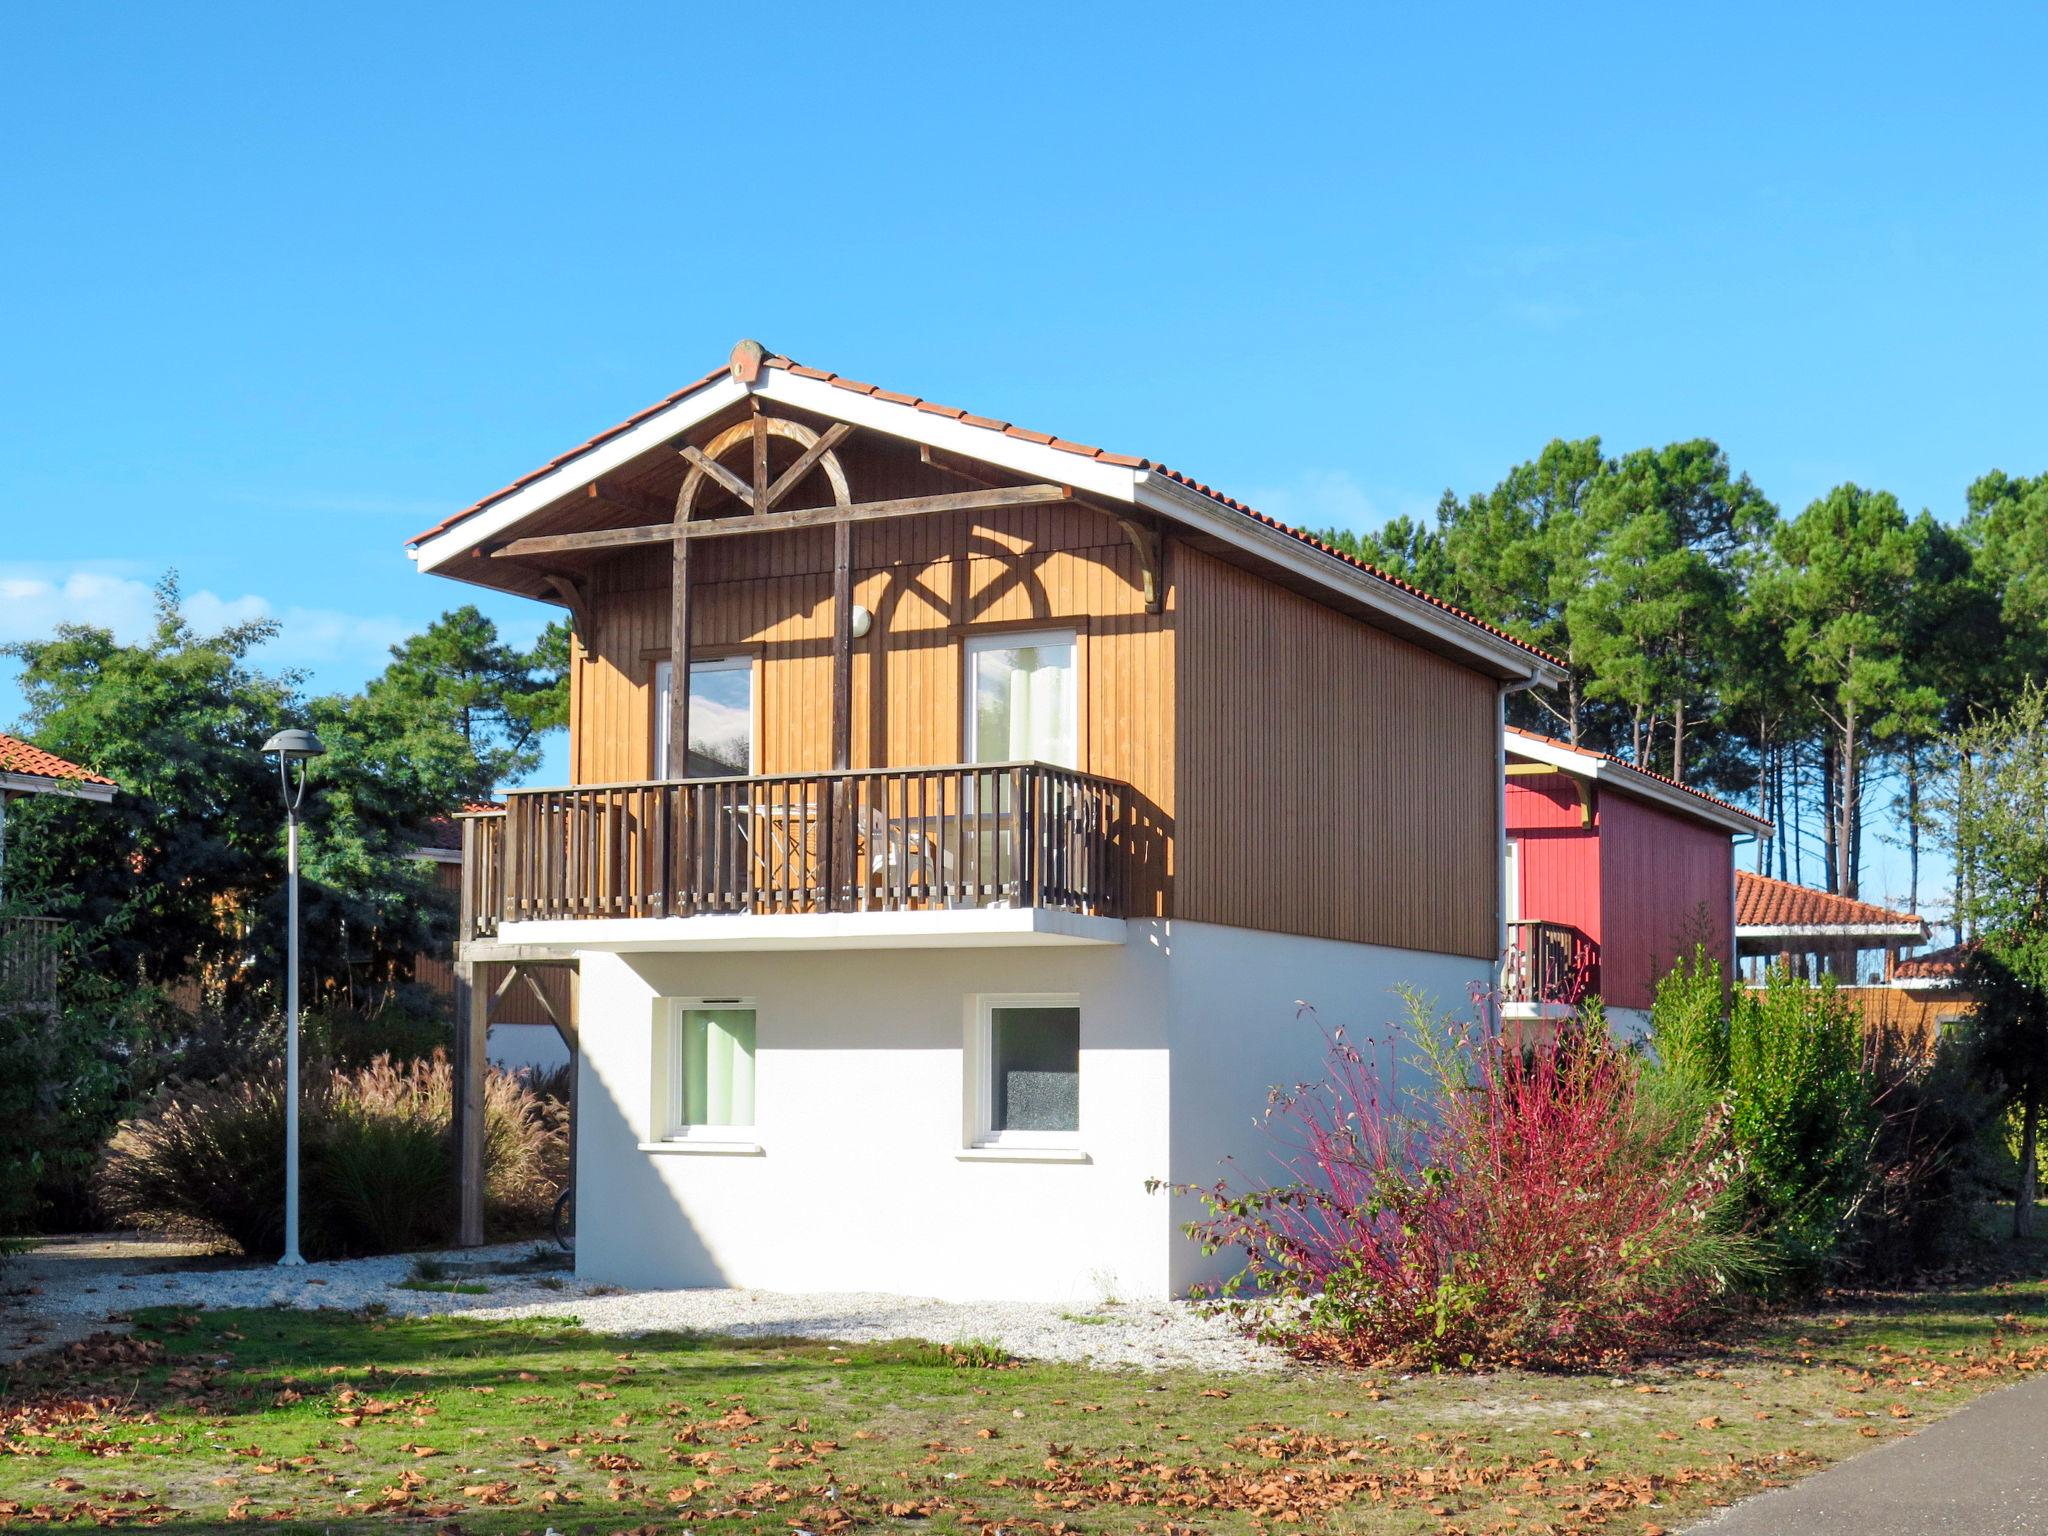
(747, 358)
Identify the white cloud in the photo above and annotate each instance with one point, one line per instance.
(35, 600)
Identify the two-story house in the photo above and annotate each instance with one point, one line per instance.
(960, 816)
(1614, 873)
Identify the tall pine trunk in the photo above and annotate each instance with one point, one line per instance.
(1678, 739)
(1912, 826)
(1798, 823)
(1830, 808)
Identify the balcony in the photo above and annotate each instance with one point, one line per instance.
(1548, 966)
(942, 839)
(31, 951)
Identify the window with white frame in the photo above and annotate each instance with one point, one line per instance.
(709, 1074)
(1026, 1066)
(1023, 702)
(721, 717)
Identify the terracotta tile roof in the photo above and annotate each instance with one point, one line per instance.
(1622, 762)
(988, 423)
(1935, 965)
(1761, 902)
(18, 756)
(445, 832)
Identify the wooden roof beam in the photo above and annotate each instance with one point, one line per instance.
(803, 517)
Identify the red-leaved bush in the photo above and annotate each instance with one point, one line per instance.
(1530, 1199)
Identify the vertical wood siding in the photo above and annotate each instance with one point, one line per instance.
(929, 582)
(1557, 860)
(1338, 781)
(1667, 882)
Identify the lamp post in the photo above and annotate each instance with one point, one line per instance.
(291, 747)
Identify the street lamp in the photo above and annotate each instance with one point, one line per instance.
(291, 747)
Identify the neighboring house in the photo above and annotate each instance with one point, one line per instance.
(1613, 874)
(522, 1031)
(1932, 994)
(1029, 789)
(1814, 933)
(29, 943)
(1811, 934)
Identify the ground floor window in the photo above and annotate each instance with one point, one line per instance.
(710, 1050)
(1026, 1067)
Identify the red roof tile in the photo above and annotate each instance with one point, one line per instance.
(21, 757)
(445, 832)
(1622, 762)
(1761, 902)
(1935, 965)
(1121, 460)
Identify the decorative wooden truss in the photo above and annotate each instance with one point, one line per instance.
(737, 461)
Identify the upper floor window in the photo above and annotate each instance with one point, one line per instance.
(721, 717)
(1023, 703)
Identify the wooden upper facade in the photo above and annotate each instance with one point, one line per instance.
(1251, 730)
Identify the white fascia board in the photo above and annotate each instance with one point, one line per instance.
(1056, 466)
(1184, 504)
(965, 928)
(1926, 984)
(1831, 931)
(556, 483)
(1600, 770)
(36, 784)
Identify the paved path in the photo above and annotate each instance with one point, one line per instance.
(1983, 1470)
(35, 1286)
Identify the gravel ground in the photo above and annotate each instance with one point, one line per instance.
(1148, 1334)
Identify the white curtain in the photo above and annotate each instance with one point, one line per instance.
(1025, 704)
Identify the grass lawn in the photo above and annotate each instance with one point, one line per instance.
(342, 1422)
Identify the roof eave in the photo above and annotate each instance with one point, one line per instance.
(1163, 494)
(38, 784)
(438, 549)
(1831, 931)
(1104, 478)
(1620, 776)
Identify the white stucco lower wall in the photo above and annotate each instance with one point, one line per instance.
(861, 1109)
(860, 1092)
(1252, 1011)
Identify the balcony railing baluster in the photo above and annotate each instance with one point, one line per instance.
(900, 839)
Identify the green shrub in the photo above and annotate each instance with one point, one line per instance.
(1787, 1061)
(352, 1037)
(375, 1157)
(66, 1078)
(1801, 1114)
(1932, 1166)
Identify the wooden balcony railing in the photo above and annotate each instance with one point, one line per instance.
(899, 839)
(1549, 963)
(31, 953)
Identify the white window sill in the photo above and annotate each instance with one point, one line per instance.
(1008, 1154)
(704, 1147)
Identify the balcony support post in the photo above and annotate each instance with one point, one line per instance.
(472, 1028)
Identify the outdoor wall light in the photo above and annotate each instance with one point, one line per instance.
(860, 621)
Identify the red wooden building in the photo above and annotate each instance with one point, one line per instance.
(1612, 874)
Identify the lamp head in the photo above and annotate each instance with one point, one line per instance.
(294, 746)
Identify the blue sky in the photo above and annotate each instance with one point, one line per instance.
(285, 286)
